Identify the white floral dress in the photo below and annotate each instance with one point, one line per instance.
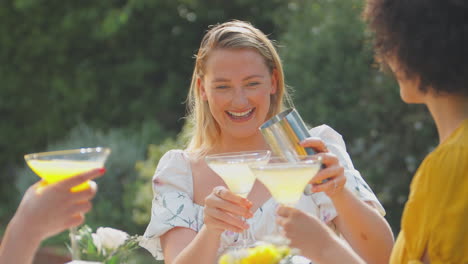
(173, 204)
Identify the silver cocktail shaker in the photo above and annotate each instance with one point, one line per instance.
(283, 132)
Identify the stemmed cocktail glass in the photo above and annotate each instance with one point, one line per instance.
(286, 179)
(234, 169)
(55, 166)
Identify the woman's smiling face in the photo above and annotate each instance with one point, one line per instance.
(237, 85)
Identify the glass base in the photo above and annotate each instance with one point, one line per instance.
(245, 239)
(243, 243)
(276, 239)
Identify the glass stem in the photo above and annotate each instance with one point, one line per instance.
(243, 236)
(75, 251)
(246, 237)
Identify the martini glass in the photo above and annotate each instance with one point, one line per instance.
(234, 169)
(55, 166)
(286, 179)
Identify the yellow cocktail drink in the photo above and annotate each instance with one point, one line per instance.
(237, 176)
(286, 182)
(56, 170)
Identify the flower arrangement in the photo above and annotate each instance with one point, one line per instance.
(267, 253)
(107, 245)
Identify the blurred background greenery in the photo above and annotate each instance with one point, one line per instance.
(116, 74)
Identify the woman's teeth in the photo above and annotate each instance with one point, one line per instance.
(241, 114)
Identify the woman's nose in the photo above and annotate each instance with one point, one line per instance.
(240, 98)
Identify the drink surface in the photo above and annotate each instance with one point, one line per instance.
(286, 182)
(56, 170)
(237, 176)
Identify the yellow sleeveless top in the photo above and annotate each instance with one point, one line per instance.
(435, 218)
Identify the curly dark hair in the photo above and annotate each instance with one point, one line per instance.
(428, 39)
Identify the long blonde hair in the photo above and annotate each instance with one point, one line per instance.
(235, 34)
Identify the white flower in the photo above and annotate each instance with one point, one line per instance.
(110, 238)
(97, 242)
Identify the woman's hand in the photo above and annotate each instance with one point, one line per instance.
(48, 209)
(313, 238)
(224, 209)
(314, 142)
(304, 230)
(329, 179)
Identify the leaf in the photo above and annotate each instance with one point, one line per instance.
(113, 260)
(189, 222)
(179, 210)
(170, 219)
(91, 249)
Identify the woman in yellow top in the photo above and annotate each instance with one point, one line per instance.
(425, 44)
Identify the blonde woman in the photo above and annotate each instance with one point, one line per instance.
(237, 85)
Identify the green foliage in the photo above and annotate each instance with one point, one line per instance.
(328, 61)
(142, 203)
(104, 63)
(112, 206)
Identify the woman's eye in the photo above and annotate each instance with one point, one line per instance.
(253, 84)
(222, 86)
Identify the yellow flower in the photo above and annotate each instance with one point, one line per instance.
(228, 259)
(265, 254)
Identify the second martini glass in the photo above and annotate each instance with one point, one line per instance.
(234, 169)
(285, 179)
(55, 166)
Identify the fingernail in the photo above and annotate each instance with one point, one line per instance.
(102, 170)
(92, 185)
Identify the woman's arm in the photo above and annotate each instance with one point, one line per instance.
(18, 246)
(183, 245)
(221, 212)
(313, 238)
(44, 211)
(363, 227)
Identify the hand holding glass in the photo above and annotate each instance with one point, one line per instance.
(55, 166)
(286, 179)
(234, 169)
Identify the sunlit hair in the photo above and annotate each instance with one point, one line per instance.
(205, 131)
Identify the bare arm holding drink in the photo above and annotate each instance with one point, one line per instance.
(45, 211)
(356, 220)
